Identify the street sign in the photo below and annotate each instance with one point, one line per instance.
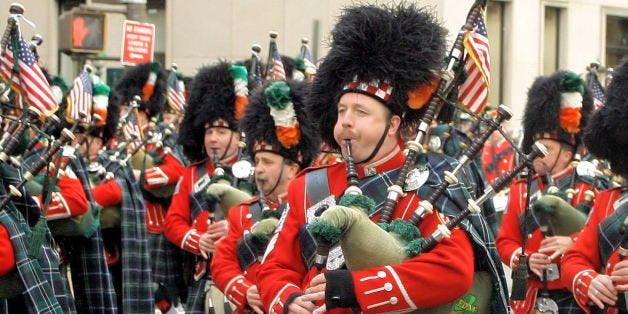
(137, 42)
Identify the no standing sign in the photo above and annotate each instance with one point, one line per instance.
(137, 42)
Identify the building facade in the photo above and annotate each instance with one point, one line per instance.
(527, 37)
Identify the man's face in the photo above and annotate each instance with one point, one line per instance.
(91, 146)
(271, 171)
(218, 140)
(169, 117)
(362, 119)
(557, 158)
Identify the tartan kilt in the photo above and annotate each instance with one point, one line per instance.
(195, 303)
(165, 259)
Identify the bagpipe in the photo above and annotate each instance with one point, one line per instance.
(229, 187)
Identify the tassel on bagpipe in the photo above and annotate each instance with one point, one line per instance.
(444, 87)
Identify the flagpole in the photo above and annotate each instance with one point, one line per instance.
(445, 85)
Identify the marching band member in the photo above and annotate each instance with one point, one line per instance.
(361, 94)
(594, 268)
(134, 223)
(556, 110)
(210, 139)
(278, 156)
(91, 279)
(155, 169)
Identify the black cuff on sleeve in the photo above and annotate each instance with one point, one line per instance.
(340, 290)
(289, 301)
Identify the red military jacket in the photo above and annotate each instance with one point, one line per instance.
(168, 172)
(226, 271)
(180, 227)
(509, 237)
(107, 194)
(497, 160)
(581, 262)
(7, 255)
(68, 201)
(425, 281)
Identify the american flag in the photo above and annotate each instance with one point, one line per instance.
(29, 77)
(176, 98)
(277, 71)
(133, 130)
(80, 99)
(596, 89)
(308, 60)
(473, 93)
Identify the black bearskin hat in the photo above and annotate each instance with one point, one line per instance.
(557, 108)
(108, 130)
(275, 121)
(289, 66)
(149, 82)
(388, 53)
(605, 135)
(216, 99)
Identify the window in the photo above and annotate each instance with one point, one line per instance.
(616, 39)
(552, 33)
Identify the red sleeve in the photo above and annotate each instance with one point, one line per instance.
(582, 262)
(178, 225)
(69, 201)
(422, 282)
(508, 239)
(167, 173)
(107, 194)
(225, 266)
(282, 271)
(7, 255)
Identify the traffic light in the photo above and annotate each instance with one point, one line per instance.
(82, 31)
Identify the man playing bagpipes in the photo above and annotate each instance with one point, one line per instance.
(78, 234)
(156, 168)
(211, 141)
(141, 93)
(374, 81)
(557, 109)
(282, 142)
(594, 268)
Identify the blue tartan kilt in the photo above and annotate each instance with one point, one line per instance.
(165, 259)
